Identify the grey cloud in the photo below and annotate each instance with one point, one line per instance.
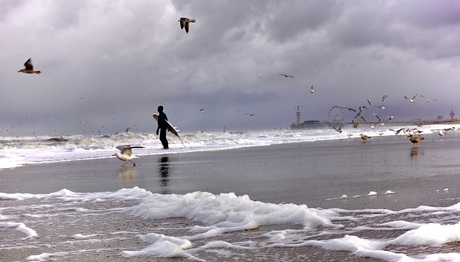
(110, 63)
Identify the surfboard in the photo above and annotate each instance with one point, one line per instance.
(171, 128)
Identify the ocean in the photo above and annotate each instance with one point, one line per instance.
(273, 195)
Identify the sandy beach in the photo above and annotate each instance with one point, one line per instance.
(382, 173)
(300, 173)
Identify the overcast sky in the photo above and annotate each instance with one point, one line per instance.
(106, 65)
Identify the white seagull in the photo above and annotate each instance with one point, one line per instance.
(312, 90)
(126, 153)
(411, 99)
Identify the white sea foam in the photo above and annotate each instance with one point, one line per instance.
(217, 223)
(21, 227)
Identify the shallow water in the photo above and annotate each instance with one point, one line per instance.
(340, 199)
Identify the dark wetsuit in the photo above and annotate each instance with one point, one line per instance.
(163, 126)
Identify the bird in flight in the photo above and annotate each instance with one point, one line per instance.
(126, 154)
(383, 97)
(428, 99)
(202, 110)
(286, 75)
(29, 68)
(251, 114)
(338, 128)
(312, 90)
(184, 22)
(411, 99)
(397, 131)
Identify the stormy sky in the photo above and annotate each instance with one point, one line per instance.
(106, 65)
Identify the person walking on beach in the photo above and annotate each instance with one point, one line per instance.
(162, 127)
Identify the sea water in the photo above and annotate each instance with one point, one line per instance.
(18, 151)
(200, 226)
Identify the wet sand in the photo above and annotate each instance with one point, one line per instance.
(316, 174)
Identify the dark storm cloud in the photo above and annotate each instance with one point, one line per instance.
(111, 63)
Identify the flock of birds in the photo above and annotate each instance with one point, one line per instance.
(412, 133)
(125, 153)
(184, 22)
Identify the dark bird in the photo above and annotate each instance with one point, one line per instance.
(338, 129)
(251, 114)
(344, 108)
(428, 99)
(286, 75)
(202, 110)
(126, 154)
(411, 99)
(415, 139)
(355, 124)
(184, 22)
(383, 97)
(365, 137)
(29, 68)
(397, 131)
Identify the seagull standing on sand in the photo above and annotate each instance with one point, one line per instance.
(184, 22)
(29, 68)
(126, 154)
(365, 137)
(415, 139)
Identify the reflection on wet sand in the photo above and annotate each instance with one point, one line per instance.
(163, 170)
(415, 152)
(126, 174)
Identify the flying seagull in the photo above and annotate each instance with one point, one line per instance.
(411, 99)
(428, 99)
(338, 129)
(184, 21)
(126, 153)
(312, 90)
(286, 75)
(29, 68)
(250, 114)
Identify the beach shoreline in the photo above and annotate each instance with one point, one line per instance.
(385, 173)
(322, 169)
